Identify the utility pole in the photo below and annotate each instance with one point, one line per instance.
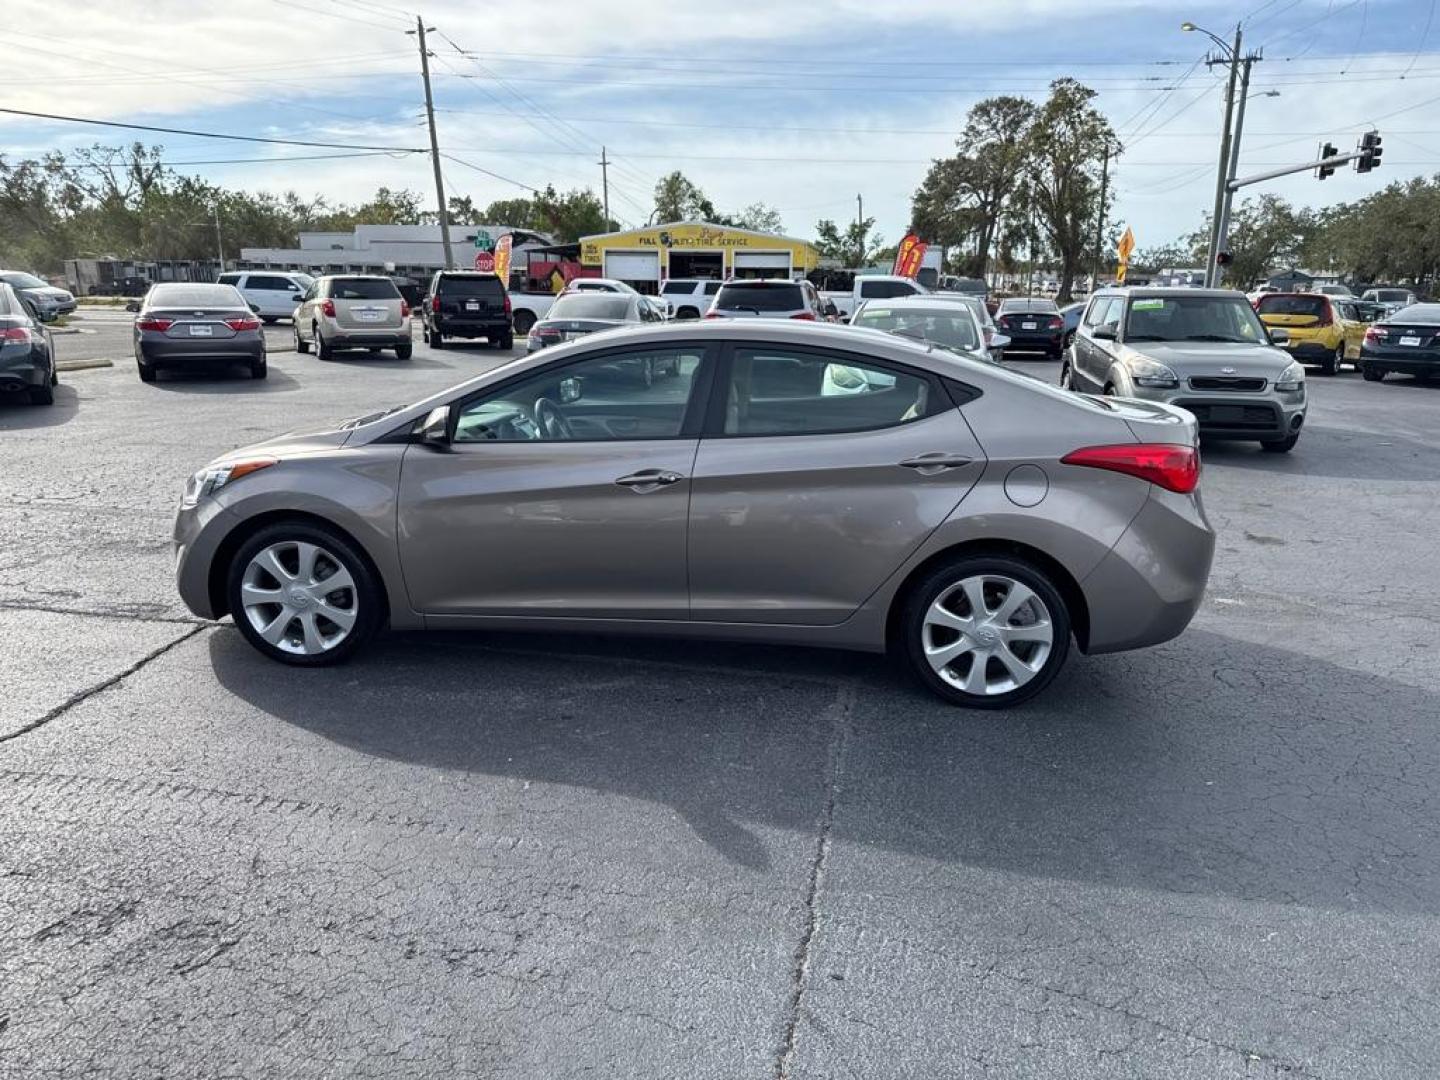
(1222, 170)
(219, 244)
(605, 185)
(1222, 229)
(443, 214)
(1100, 223)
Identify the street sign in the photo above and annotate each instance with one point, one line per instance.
(485, 262)
(483, 241)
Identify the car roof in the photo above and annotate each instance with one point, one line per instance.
(925, 300)
(761, 281)
(1167, 290)
(367, 277)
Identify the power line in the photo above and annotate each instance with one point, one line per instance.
(212, 134)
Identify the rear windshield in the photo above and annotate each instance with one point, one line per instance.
(363, 289)
(1293, 305)
(194, 296)
(1390, 295)
(1037, 306)
(592, 305)
(760, 297)
(472, 286)
(678, 288)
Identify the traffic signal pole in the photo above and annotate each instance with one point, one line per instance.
(1222, 225)
(1222, 170)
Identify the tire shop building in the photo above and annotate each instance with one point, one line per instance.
(694, 249)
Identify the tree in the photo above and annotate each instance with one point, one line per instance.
(1265, 233)
(758, 217)
(1180, 253)
(1065, 145)
(855, 247)
(519, 213)
(677, 199)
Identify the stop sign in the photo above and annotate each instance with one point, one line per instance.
(485, 262)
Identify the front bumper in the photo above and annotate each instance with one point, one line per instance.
(197, 536)
(1408, 361)
(1264, 417)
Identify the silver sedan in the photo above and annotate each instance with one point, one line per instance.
(973, 521)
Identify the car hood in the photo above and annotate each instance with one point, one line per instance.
(50, 291)
(1213, 357)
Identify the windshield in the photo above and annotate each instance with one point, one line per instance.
(193, 296)
(951, 328)
(593, 305)
(759, 297)
(23, 281)
(1193, 318)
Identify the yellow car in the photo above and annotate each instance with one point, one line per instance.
(1324, 330)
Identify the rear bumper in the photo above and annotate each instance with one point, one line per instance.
(1149, 586)
(1398, 358)
(451, 326)
(23, 371)
(385, 338)
(1022, 340)
(235, 350)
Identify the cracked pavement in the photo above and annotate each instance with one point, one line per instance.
(564, 856)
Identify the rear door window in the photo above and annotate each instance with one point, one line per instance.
(711, 288)
(776, 391)
(229, 279)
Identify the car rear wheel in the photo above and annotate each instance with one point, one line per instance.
(1370, 373)
(323, 348)
(437, 340)
(524, 320)
(1333, 362)
(147, 371)
(260, 370)
(42, 395)
(301, 345)
(505, 343)
(303, 595)
(404, 350)
(986, 632)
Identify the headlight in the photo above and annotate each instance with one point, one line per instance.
(1292, 378)
(210, 480)
(1147, 372)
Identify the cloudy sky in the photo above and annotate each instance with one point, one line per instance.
(800, 105)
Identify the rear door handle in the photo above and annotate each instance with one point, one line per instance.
(649, 480)
(935, 462)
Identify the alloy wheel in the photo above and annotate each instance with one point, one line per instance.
(988, 634)
(299, 597)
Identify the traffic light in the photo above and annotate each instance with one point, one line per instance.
(1370, 152)
(1224, 259)
(1328, 151)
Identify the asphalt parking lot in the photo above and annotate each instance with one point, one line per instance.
(556, 857)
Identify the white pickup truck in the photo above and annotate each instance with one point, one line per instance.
(528, 308)
(873, 287)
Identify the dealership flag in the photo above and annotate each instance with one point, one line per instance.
(502, 258)
(1125, 248)
(908, 256)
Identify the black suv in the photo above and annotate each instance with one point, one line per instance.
(468, 304)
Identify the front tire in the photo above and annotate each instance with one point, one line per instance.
(303, 595)
(985, 631)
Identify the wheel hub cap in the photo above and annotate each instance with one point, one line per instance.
(988, 634)
(299, 597)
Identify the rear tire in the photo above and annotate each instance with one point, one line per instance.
(404, 350)
(1332, 363)
(437, 340)
(42, 395)
(366, 600)
(260, 370)
(1370, 373)
(1018, 653)
(147, 371)
(1281, 446)
(323, 348)
(523, 321)
(506, 343)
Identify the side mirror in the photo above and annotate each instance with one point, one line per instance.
(999, 341)
(830, 309)
(1279, 335)
(255, 308)
(434, 430)
(1107, 332)
(572, 389)
(132, 305)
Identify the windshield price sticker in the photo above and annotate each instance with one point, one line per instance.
(1152, 304)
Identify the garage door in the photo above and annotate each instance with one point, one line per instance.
(758, 260)
(632, 266)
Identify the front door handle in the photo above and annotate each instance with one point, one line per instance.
(649, 480)
(935, 462)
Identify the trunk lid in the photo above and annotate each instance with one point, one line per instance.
(1152, 421)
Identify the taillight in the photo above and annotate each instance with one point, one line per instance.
(1376, 335)
(435, 304)
(404, 310)
(507, 303)
(158, 325)
(1168, 465)
(1055, 324)
(16, 333)
(328, 309)
(810, 315)
(243, 324)
(713, 315)
(1327, 317)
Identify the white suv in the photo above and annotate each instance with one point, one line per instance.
(272, 294)
(687, 298)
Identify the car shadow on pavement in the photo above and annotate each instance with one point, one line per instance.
(1206, 766)
(382, 360)
(224, 381)
(17, 414)
(1336, 453)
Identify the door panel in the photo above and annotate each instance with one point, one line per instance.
(801, 529)
(542, 528)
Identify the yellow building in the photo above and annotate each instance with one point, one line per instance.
(694, 249)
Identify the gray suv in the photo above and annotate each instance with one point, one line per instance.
(1204, 350)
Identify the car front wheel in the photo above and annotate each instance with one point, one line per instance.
(303, 595)
(986, 632)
